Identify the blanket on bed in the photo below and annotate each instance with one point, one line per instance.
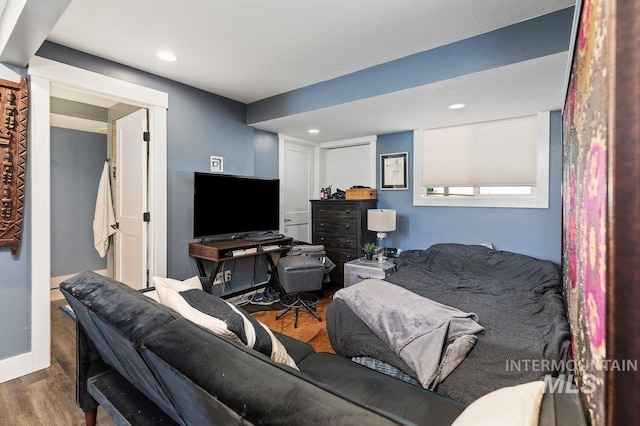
(430, 337)
(517, 298)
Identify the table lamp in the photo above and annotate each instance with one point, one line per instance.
(381, 221)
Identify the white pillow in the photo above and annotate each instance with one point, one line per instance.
(256, 334)
(163, 285)
(510, 406)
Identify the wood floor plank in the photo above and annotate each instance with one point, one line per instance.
(51, 401)
(15, 403)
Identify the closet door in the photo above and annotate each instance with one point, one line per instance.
(130, 260)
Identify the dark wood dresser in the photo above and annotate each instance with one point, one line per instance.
(341, 227)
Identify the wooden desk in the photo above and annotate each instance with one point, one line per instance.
(220, 251)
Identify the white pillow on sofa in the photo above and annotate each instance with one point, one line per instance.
(169, 294)
(255, 335)
(164, 284)
(509, 406)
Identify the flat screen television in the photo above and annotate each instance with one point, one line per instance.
(234, 206)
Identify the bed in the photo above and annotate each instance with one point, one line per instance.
(518, 300)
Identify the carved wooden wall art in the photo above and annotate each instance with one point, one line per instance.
(13, 155)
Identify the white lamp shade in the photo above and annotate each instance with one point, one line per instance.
(381, 220)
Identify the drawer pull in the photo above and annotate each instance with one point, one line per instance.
(322, 225)
(348, 256)
(347, 226)
(321, 238)
(321, 210)
(347, 211)
(348, 242)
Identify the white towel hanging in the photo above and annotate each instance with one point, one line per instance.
(104, 218)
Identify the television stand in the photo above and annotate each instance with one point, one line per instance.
(264, 237)
(220, 251)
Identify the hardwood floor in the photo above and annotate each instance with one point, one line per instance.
(47, 397)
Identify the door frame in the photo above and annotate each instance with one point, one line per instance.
(44, 73)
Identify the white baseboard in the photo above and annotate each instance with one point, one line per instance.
(56, 281)
(14, 367)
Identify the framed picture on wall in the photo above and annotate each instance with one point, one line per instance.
(394, 171)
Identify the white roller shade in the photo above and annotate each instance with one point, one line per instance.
(493, 153)
(347, 166)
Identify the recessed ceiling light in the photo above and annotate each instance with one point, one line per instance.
(314, 131)
(167, 56)
(456, 106)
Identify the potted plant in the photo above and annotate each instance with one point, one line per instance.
(369, 249)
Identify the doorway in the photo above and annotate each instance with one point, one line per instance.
(43, 74)
(92, 137)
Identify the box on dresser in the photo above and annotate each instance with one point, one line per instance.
(361, 194)
(341, 227)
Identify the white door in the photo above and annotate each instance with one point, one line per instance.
(130, 257)
(298, 190)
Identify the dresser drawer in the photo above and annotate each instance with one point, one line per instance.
(335, 240)
(347, 226)
(340, 211)
(341, 257)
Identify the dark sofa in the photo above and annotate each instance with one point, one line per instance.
(146, 365)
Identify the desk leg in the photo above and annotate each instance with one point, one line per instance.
(200, 266)
(274, 272)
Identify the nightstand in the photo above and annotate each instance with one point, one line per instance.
(361, 269)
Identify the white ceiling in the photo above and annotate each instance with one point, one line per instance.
(248, 50)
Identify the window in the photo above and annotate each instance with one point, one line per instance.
(502, 163)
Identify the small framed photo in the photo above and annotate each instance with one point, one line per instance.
(394, 171)
(217, 164)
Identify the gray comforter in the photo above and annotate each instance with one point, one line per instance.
(430, 337)
(517, 298)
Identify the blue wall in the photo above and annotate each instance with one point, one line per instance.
(77, 159)
(535, 232)
(265, 145)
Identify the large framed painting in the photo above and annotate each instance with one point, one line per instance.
(13, 154)
(601, 163)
